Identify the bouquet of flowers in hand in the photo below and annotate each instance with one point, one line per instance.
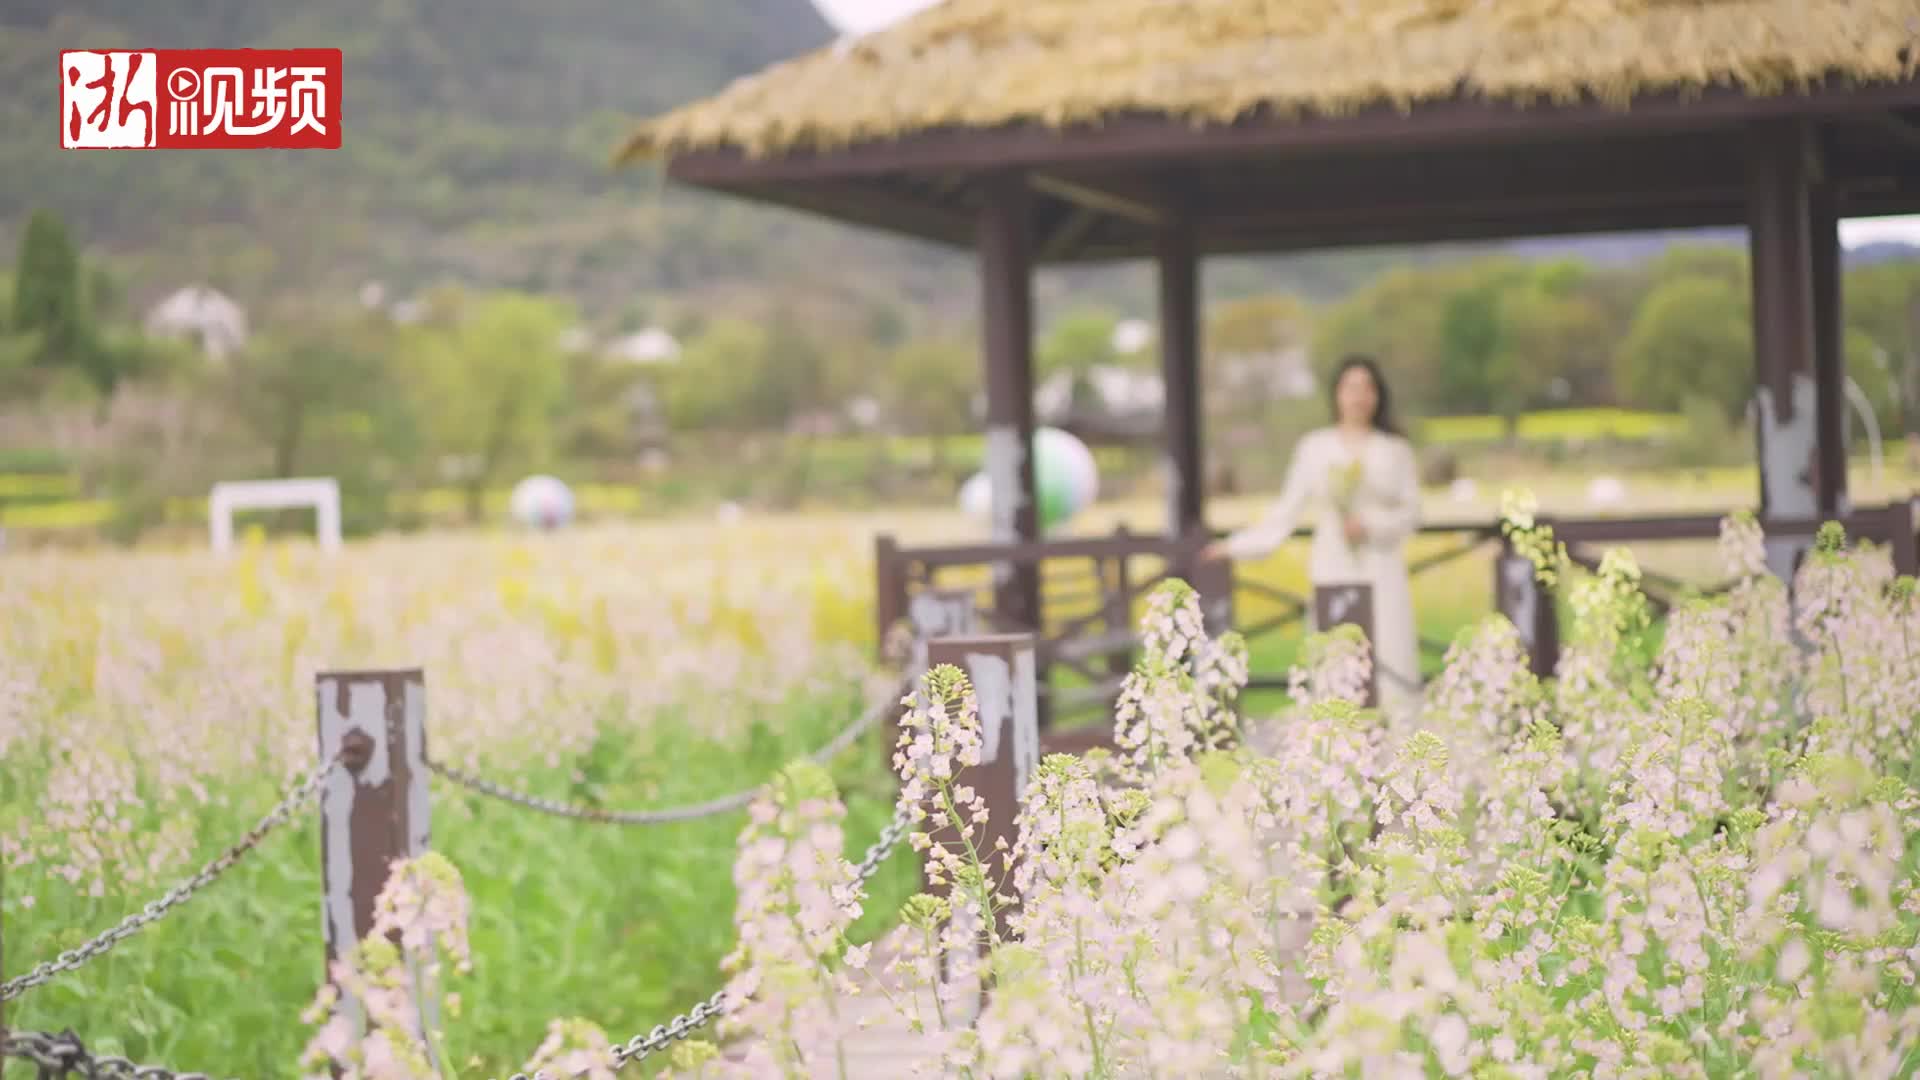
(1345, 490)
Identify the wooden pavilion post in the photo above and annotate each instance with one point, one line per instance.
(1005, 240)
(1802, 473)
(1180, 374)
(1829, 356)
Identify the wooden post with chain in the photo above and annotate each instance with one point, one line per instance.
(374, 811)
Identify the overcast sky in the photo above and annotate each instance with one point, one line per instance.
(861, 16)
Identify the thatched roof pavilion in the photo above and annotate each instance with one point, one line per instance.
(1042, 131)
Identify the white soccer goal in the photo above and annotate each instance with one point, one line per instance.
(321, 493)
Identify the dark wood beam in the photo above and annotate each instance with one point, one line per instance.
(1330, 212)
(1829, 351)
(1554, 175)
(1277, 239)
(1896, 192)
(1781, 164)
(1896, 127)
(870, 205)
(1105, 197)
(1005, 243)
(1292, 203)
(949, 186)
(1065, 238)
(1179, 270)
(1460, 121)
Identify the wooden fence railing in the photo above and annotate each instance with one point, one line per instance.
(375, 806)
(1091, 586)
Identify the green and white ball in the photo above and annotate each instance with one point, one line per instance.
(1065, 475)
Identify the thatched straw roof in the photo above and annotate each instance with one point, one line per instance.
(987, 63)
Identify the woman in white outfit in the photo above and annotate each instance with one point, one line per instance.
(1358, 479)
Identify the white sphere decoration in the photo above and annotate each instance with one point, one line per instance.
(541, 502)
(1066, 479)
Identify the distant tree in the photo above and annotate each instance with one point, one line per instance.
(1614, 294)
(1723, 262)
(1397, 318)
(1469, 341)
(800, 375)
(596, 417)
(1491, 334)
(1882, 306)
(886, 325)
(1078, 341)
(928, 384)
(486, 376)
(284, 389)
(1256, 325)
(804, 377)
(46, 285)
(1691, 337)
(718, 383)
(49, 302)
(1238, 331)
(1546, 328)
(18, 350)
(102, 296)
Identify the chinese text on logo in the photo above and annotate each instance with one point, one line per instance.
(158, 99)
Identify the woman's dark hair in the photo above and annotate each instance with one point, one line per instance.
(1383, 398)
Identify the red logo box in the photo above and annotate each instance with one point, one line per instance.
(200, 99)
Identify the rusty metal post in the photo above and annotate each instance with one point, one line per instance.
(375, 810)
(1528, 604)
(1002, 670)
(1351, 604)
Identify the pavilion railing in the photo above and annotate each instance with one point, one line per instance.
(1090, 592)
(1892, 525)
(1091, 587)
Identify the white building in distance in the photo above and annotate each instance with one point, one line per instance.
(206, 316)
(650, 346)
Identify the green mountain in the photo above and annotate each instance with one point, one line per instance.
(477, 146)
(477, 142)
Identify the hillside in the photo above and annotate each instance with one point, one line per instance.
(478, 137)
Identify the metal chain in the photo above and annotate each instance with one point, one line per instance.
(661, 816)
(665, 1035)
(668, 1033)
(64, 1055)
(179, 894)
(878, 851)
(667, 814)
